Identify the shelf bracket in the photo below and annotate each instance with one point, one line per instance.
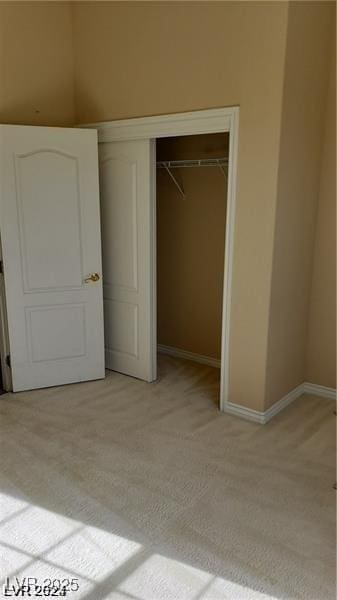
(175, 181)
(223, 171)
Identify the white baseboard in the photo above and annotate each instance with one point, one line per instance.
(263, 417)
(246, 413)
(319, 390)
(283, 402)
(198, 358)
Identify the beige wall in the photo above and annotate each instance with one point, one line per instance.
(147, 58)
(36, 63)
(190, 246)
(310, 27)
(321, 355)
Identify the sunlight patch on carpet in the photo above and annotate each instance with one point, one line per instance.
(39, 545)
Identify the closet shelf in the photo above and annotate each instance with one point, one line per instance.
(221, 163)
(202, 162)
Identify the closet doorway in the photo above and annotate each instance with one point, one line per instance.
(129, 151)
(191, 198)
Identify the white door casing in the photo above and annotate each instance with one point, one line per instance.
(126, 216)
(189, 123)
(50, 231)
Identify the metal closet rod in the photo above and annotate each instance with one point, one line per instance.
(221, 163)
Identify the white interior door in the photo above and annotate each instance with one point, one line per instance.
(50, 231)
(127, 215)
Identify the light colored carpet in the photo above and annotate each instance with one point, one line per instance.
(148, 492)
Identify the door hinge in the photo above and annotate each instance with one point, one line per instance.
(8, 360)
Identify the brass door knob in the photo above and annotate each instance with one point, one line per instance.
(92, 277)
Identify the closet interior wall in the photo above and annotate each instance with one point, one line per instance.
(191, 245)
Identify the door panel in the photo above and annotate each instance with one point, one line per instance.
(127, 229)
(35, 173)
(119, 223)
(56, 332)
(50, 231)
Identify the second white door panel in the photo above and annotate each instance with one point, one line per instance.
(126, 216)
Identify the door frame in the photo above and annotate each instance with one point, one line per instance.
(4, 338)
(218, 120)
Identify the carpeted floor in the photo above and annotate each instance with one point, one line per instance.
(147, 492)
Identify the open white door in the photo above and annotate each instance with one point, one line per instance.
(127, 203)
(50, 231)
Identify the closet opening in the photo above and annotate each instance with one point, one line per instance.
(191, 204)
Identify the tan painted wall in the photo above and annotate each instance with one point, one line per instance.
(310, 28)
(36, 63)
(321, 354)
(190, 246)
(147, 58)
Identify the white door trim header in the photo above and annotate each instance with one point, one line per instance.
(215, 120)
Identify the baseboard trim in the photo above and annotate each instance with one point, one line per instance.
(263, 417)
(246, 413)
(256, 416)
(319, 390)
(283, 403)
(198, 358)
